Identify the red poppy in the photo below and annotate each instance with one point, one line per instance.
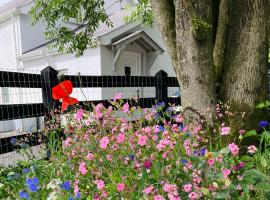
(62, 91)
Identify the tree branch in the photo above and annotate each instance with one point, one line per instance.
(221, 37)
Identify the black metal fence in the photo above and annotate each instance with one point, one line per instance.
(28, 84)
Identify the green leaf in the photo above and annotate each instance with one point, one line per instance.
(257, 173)
(263, 162)
(205, 191)
(11, 174)
(225, 150)
(260, 105)
(262, 186)
(250, 133)
(246, 158)
(220, 195)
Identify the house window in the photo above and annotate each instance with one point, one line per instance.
(127, 71)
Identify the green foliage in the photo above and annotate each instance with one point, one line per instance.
(200, 28)
(142, 12)
(55, 14)
(87, 14)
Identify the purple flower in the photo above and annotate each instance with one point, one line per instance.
(25, 170)
(65, 186)
(263, 124)
(203, 151)
(23, 195)
(148, 164)
(32, 184)
(184, 161)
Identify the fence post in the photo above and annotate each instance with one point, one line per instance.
(49, 80)
(162, 86)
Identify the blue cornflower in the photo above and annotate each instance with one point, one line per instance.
(13, 141)
(161, 128)
(32, 184)
(181, 126)
(131, 157)
(78, 195)
(195, 153)
(25, 170)
(203, 151)
(70, 198)
(184, 161)
(263, 124)
(65, 186)
(23, 195)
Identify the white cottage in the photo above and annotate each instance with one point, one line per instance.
(124, 49)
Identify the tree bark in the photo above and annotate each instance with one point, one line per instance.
(194, 45)
(245, 71)
(221, 39)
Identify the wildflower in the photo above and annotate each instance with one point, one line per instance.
(187, 187)
(142, 139)
(82, 168)
(117, 97)
(225, 130)
(65, 186)
(100, 184)
(193, 196)
(120, 138)
(90, 156)
(67, 141)
(126, 107)
(120, 187)
(25, 170)
(78, 115)
(23, 195)
(78, 195)
(104, 142)
(234, 149)
(148, 190)
(252, 149)
(241, 132)
(158, 197)
(13, 141)
(32, 184)
(211, 162)
(263, 124)
(179, 118)
(131, 157)
(226, 173)
(203, 151)
(148, 164)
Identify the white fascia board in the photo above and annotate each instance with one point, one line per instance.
(7, 15)
(106, 38)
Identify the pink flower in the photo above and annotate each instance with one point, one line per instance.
(90, 156)
(211, 162)
(158, 197)
(120, 138)
(252, 149)
(67, 141)
(147, 164)
(78, 115)
(225, 130)
(117, 97)
(148, 190)
(126, 107)
(142, 139)
(193, 196)
(104, 142)
(187, 187)
(109, 157)
(234, 149)
(241, 132)
(226, 173)
(82, 168)
(120, 187)
(179, 118)
(100, 184)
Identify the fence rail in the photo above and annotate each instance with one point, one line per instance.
(48, 78)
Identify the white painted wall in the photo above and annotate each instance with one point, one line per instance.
(31, 35)
(7, 46)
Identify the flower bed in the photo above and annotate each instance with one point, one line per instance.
(161, 156)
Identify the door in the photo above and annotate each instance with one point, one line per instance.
(129, 64)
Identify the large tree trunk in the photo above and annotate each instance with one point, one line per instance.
(245, 71)
(194, 44)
